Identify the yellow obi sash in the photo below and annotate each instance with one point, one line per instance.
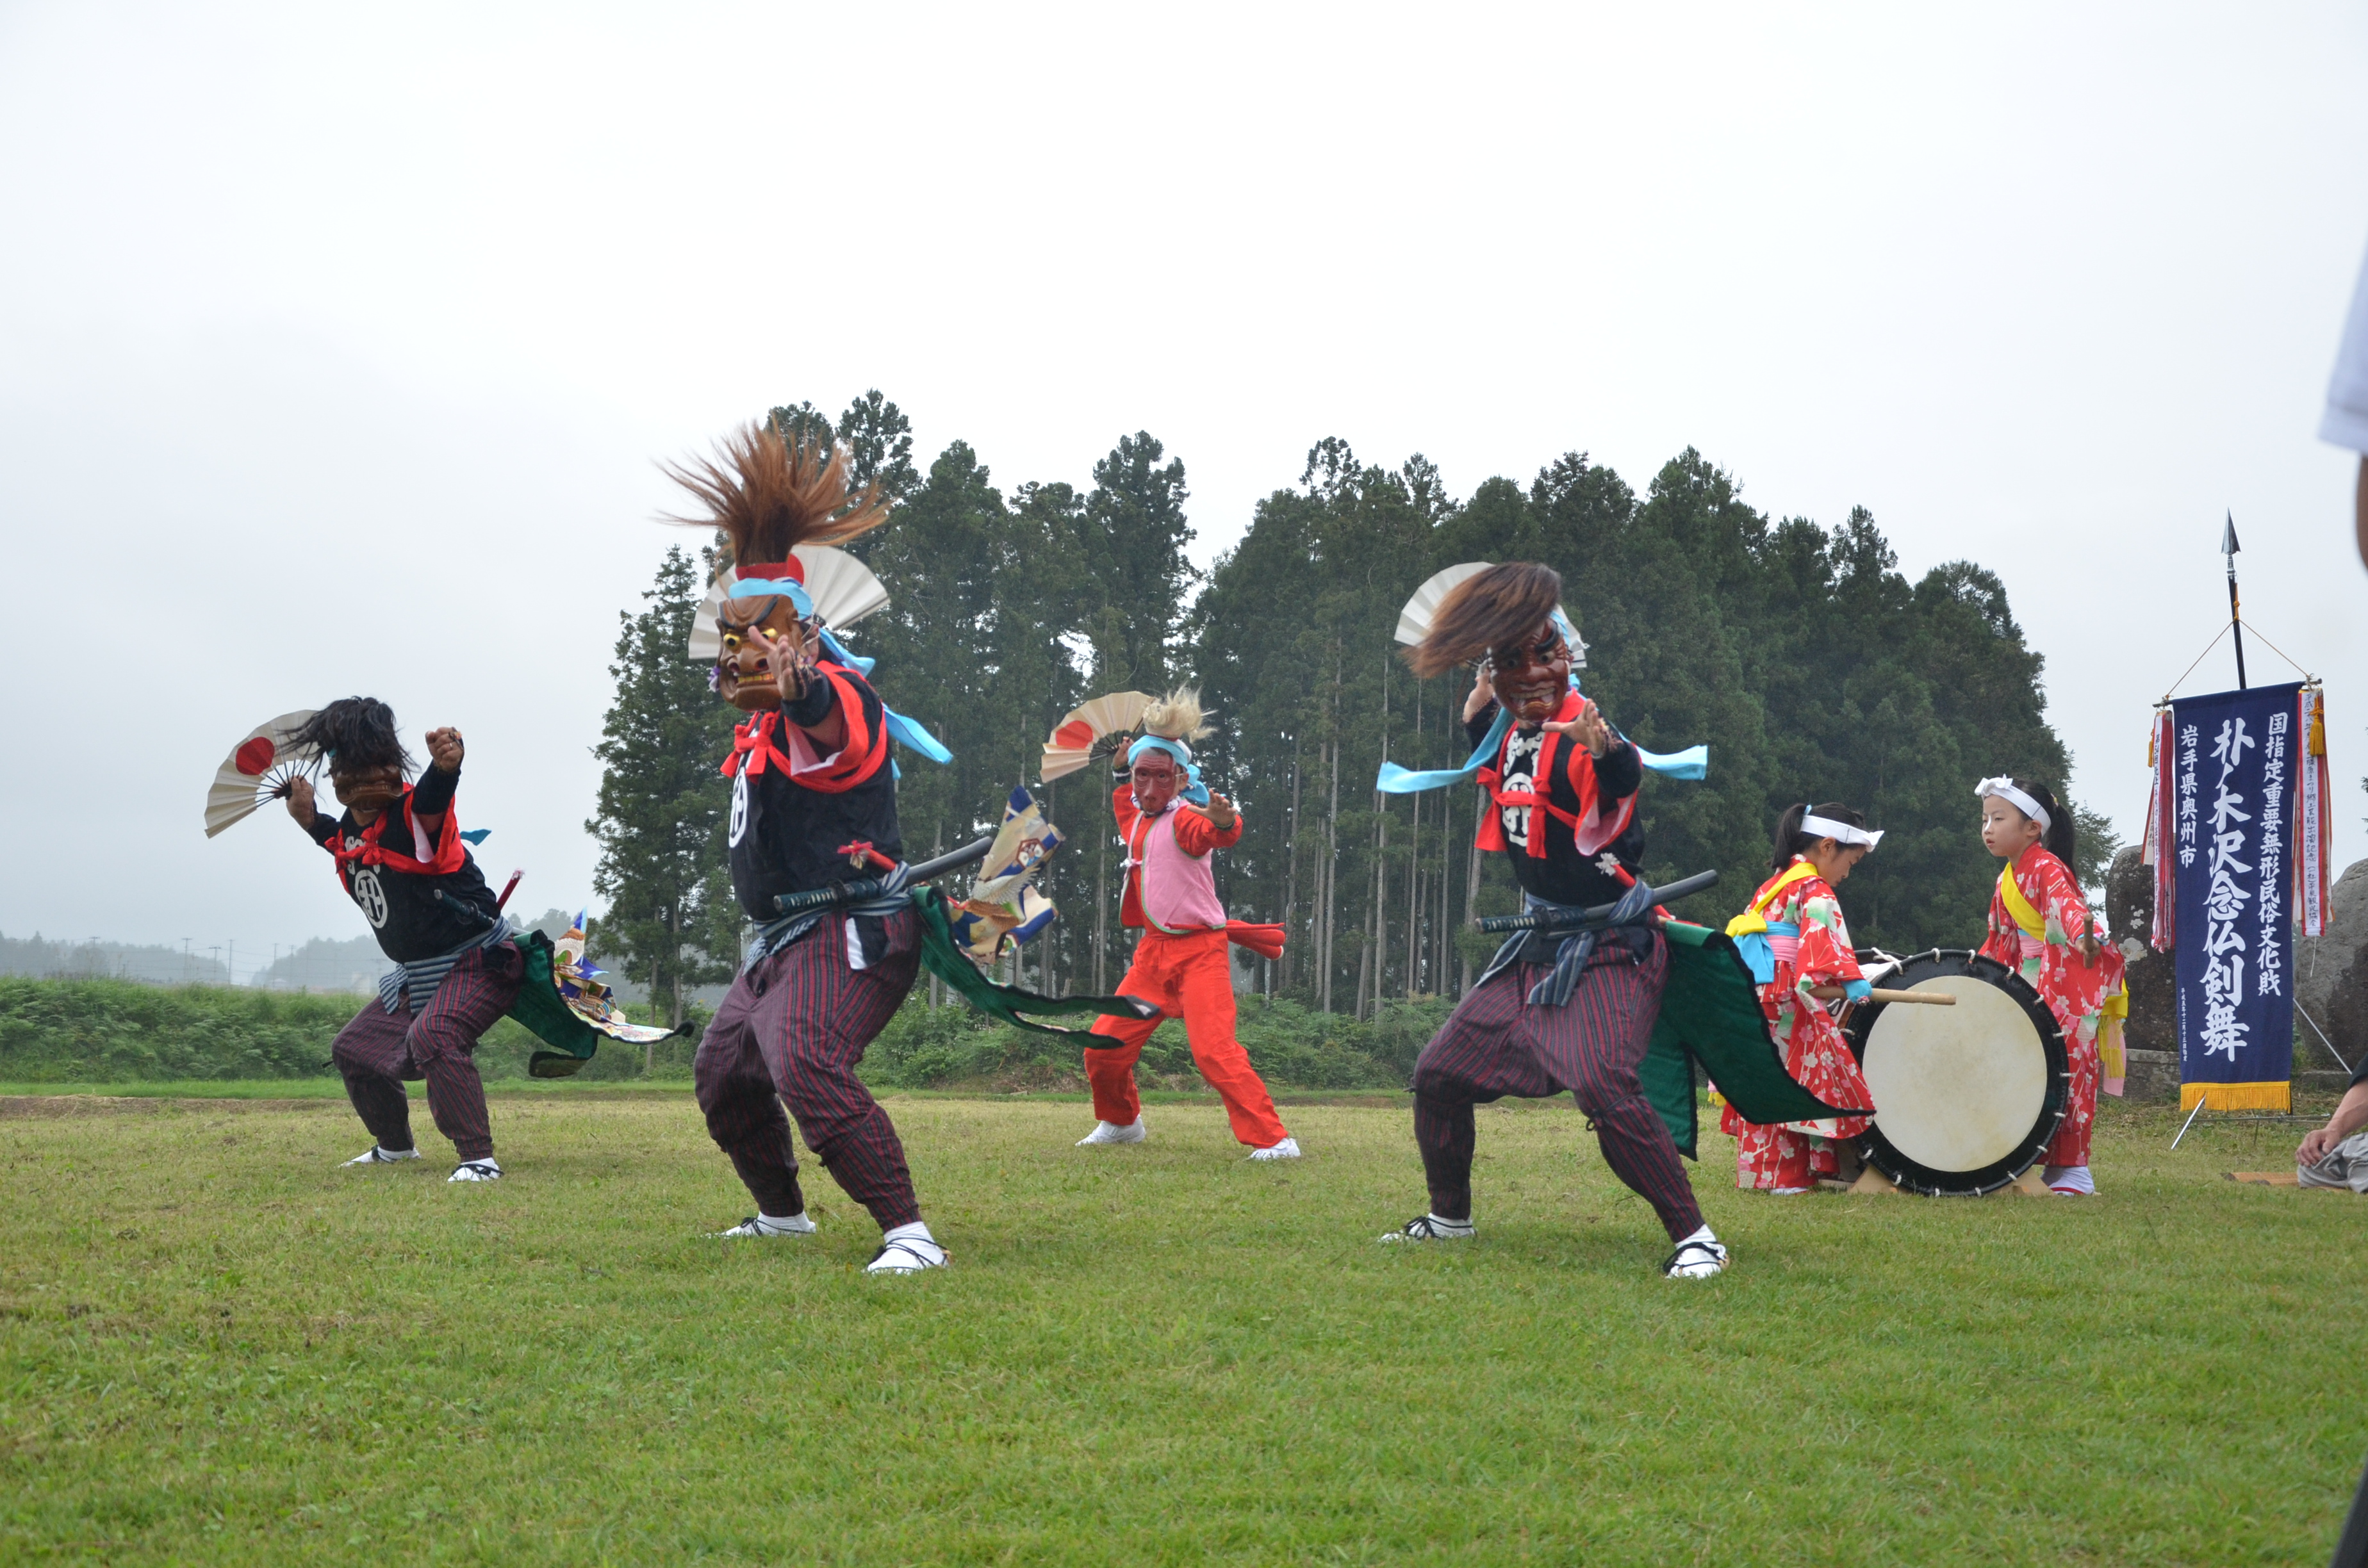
(2010, 894)
(1755, 919)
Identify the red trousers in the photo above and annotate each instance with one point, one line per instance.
(1188, 978)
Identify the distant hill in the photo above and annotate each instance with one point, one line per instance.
(321, 964)
(96, 959)
(353, 964)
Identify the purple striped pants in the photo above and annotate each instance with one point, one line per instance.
(792, 1029)
(378, 1050)
(1495, 1045)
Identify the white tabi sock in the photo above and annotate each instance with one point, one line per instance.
(2072, 1178)
(915, 1240)
(779, 1225)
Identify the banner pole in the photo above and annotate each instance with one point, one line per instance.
(2228, 547)
(2188, 1124)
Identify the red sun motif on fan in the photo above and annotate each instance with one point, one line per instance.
(1075, 733)
(254, 757)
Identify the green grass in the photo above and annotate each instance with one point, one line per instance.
(215, 1347)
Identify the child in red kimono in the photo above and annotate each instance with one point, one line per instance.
(2039, 929)
(1793, 937)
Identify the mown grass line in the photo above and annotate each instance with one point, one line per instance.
(215, 1347)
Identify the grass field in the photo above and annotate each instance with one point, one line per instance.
(215, 1347)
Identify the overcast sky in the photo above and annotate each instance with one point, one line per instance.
(335, 345)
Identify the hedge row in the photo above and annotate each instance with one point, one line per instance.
(112, 1031)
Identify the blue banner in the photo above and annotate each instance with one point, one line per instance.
(2237, 767)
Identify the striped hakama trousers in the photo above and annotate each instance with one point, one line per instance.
(792, 1031)
(378, 1050)
(1496, 1044)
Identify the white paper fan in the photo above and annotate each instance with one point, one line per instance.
(1414, 621)
(1071, 746)
(259, 769)
(843, 589)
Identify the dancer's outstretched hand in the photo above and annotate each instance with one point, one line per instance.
(792, 667)
(1220, 813)
(444, 748)
(1588, 730)
(300, 802)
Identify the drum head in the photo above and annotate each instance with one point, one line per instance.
(1966, 1096)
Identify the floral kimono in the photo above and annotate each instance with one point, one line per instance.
(1796, 916)
(2037, 918)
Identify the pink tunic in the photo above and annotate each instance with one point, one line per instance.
(1179, 888)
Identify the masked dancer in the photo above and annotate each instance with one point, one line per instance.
(1553, 1012)
(1182, 960)
(402, 859)
(811, 781)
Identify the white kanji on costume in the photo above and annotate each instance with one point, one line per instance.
(371, 896)
(1520, 771)
(739, 805)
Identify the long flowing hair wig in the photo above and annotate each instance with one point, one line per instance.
(1488, 609)
(356, 731)
(769, 494)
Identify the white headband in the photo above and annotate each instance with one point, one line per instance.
(2005, 791)
(1839, 832)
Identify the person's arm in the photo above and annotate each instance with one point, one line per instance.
(1617, 769)
(1479, 708)
(2360, 512)
(302, 807)
(809, 698)
(2351, 1115)
(1199, 829)
(432, 796)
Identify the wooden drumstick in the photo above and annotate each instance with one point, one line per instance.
(1926, 998)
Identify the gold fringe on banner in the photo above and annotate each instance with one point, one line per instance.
(2237, 1097)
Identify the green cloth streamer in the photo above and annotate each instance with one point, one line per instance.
(1710, 1013)
(547, 1015)
(945, 959)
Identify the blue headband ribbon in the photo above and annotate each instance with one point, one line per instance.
(1691, 763)
(788, 588)
(1194, 793)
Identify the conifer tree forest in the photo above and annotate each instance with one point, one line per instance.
(1808, 664)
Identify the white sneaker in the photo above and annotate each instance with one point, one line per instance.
(765, 1225)
(1431, 1228)
(475, 1170)
(378, 1157)
(1111, 1132)
(1286, 1150)
(1699, 1257)
(906, 1256)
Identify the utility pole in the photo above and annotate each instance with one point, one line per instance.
(2228, 547)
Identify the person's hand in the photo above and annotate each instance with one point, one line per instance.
(1484, 692)
(2314, 1146)
(792, 667)
(2089, 947)
(1588, 730)
(1220, 813)
(300, 803)
(444, 748)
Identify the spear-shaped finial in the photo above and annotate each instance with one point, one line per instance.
(2228, 547)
